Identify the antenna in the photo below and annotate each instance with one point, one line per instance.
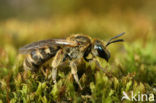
(118, 40)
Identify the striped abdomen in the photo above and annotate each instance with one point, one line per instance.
(37, 57)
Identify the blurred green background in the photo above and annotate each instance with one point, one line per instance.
(26, 21)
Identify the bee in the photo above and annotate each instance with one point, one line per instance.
(72, 49)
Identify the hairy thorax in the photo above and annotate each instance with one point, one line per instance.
(77, 52)
(74, 53)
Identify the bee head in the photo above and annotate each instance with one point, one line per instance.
(99, 49)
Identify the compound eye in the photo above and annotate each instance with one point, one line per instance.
(103, 53)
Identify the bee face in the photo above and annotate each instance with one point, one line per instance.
(100, 50)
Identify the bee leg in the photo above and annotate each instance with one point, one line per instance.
(74, 72)
(98, 65)
(109, 74)
(54, 74)
(56, 62)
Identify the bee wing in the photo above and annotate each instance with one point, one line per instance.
(46, 43)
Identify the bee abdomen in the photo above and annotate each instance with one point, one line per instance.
(30, 65)
(37, 57)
